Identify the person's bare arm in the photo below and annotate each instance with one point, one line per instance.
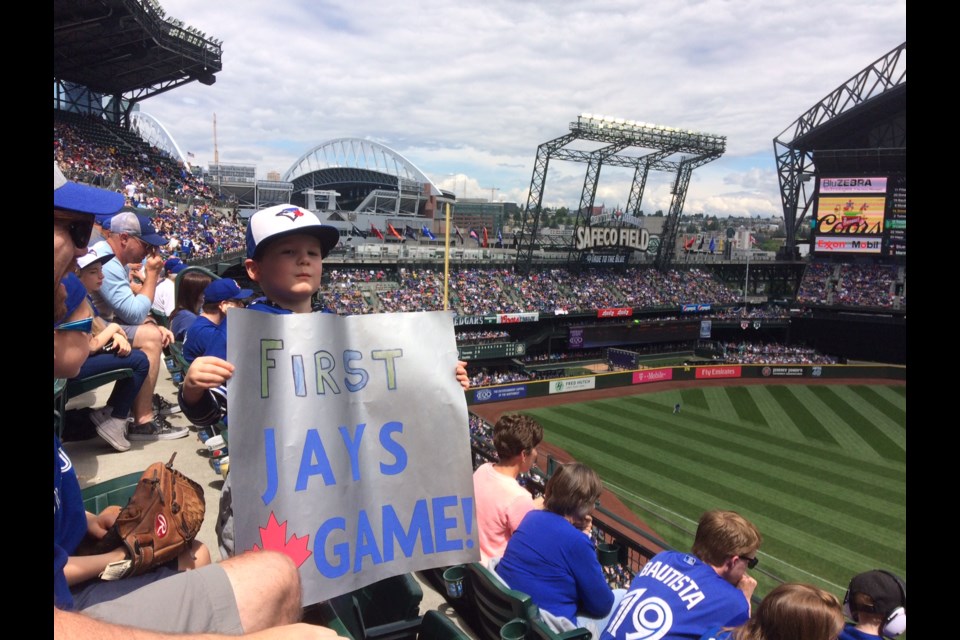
(71, 626)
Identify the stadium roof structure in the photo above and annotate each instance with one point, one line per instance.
(368, 177)
(859, 128)
(127, 50)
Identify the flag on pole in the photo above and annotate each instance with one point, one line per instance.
(190, 154)
(394, 232)
(689, 243)
(713, 244)
(459, 235)
(376, 231)
(499, 237)
(486, 239)
(700, 246)
(410, 232)
(473, 234)
(427, 233)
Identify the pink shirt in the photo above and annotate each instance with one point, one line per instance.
(501, 504)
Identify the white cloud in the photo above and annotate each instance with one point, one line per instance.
(474, 88)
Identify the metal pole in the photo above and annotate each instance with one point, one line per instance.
(446, 256)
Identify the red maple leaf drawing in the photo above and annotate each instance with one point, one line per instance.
(274, 537)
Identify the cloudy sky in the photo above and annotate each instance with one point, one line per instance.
(467, 91)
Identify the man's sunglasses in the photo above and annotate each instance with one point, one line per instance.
(80, 227)
(751, 562)
(85, 325)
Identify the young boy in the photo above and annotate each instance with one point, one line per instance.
(286, 246)
(207, 336)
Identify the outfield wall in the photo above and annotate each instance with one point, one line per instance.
(730, 372)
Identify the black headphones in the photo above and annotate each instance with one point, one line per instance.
(895, 622)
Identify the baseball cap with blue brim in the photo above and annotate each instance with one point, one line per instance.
(174, 266)
(92, 257)
(135, 224)
(272, 223)
(225, 289)
(83, 198)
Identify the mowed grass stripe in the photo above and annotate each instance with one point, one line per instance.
(694, 398)
(869, 432)
(773, 412)
(691, 464)
(745, 406)
(897, 415)
(871, 478)
(870, 414)
(718, 400)
(800, 415)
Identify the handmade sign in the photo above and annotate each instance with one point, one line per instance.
(350, 445)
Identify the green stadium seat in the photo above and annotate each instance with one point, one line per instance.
(494, 604)
(117, 491)
(436, 626)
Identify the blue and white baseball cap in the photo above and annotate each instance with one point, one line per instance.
(82, 198)
(139, 225)
(225, 289)
(174, 266)
(267, 225)
(92, 257)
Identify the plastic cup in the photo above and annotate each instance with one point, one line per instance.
(608, 554)
(516, 629)
(453, 578)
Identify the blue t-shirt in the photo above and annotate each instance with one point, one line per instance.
(556, 565)
(204, 338)
(180, 323)
(850, 632)
(679, 596)
(69, 522)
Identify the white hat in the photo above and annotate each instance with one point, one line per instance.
(284, 220)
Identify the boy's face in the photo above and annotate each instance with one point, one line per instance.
(289, 270)
(91, 277)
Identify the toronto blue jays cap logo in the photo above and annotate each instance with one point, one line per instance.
(291, 213)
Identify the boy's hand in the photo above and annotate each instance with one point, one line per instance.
(462, 376)
(123, 345)
(206, 372)
(166, 336)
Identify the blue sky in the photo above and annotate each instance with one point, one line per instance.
(467, 91)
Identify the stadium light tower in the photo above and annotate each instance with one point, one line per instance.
(691, 149)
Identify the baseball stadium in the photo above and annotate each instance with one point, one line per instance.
(690, 368)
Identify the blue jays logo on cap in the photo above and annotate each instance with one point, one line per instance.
(291, 213)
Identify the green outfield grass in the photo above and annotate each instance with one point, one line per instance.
(821, 470)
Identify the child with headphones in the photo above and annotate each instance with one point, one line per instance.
(876, 601)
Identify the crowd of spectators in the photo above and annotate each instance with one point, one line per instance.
(478, 337)
(489, 376)
(151, 182)
(850, 285)
(565, 356)
(478, 291)
(772, 353)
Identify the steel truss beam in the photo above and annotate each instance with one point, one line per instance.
(618, 134)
